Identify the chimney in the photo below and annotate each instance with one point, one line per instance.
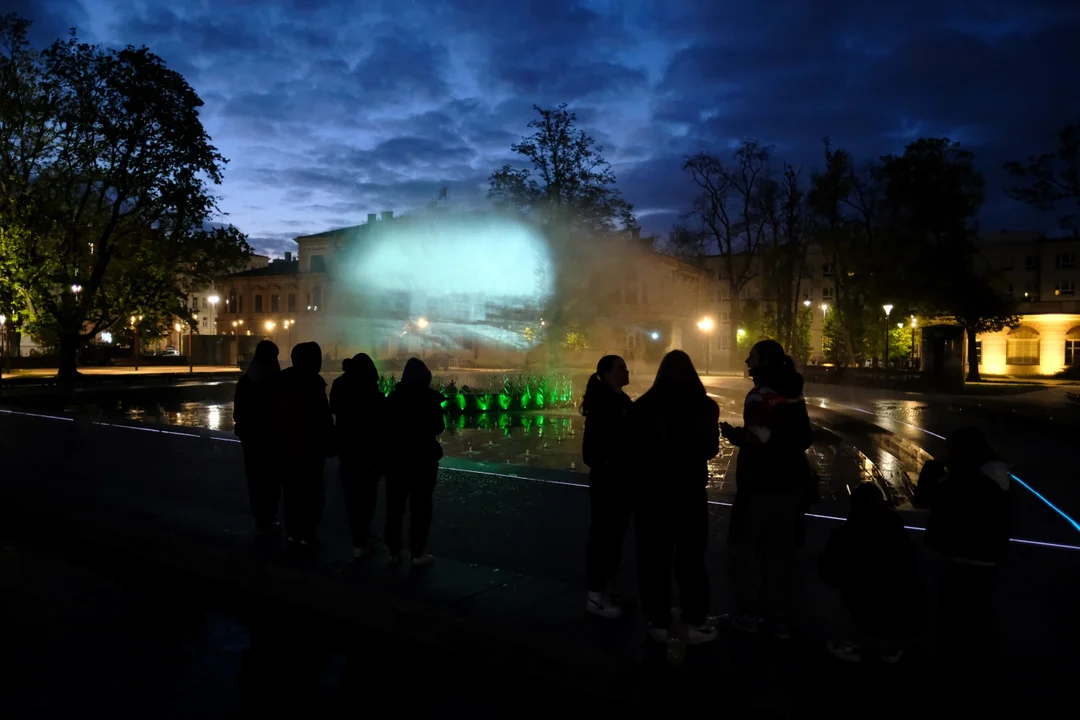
(387, 214)
(371, 218)
(288, 256)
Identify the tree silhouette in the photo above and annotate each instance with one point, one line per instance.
(1052, 179)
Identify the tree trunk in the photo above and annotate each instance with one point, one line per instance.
(69, 346)
(973, 356)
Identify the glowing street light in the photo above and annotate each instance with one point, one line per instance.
(824, 312)
(806, 302)
(654, 335)
(422, 323)
(706, 325)
(269, 326)
(3, 335)
(888, 310)
(740, 332)
(913, 323)
(76, 289)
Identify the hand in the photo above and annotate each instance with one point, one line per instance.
(726, 429)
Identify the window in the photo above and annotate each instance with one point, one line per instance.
(978, 352)
(827, 270)
(230, 304)
(292, 302)
(725, 317)
(240, 304)
(316, 298)
(1007, 262)
(1065, 287)
(1066, 260)
(1072, 346)
(746, 293)
(828, 293)
(1022, 347)
(1031, 262)
(318, 264)
(275, 303)
(258, 303)
(725, 341)
(725, 294)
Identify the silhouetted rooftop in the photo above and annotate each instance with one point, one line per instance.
(277, 267)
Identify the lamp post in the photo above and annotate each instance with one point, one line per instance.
(135, 320)
(213, 299)
(888, 310)
(191, 342)
(3, 336)
(269, 328)
(288, 326)
(913, 322)
(824, 312)
(706, 326)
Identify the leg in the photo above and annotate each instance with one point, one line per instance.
(293, 486)
(262, 481)
(368, 498)
(421, 509)
(597, 552)
(397, 494)
(691, 540)
(352, 492)
(744, 563)
(778, 553)
(654, 565)
(316, 497)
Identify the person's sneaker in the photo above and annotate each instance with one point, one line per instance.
(742, 623)
(778, 628)
(423, 560)
(600, 605)
(700, 635)
(891, 657)
(657, 634)
(846, 651)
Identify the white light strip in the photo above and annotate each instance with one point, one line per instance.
(36, 415)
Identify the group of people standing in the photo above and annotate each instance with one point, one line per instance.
(287, 428)
(648, 460)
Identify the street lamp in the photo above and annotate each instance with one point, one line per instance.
(706, 326)
(3, 335)
(913, 323)
(191, 342)
(422, 323)
(888, 310)
(135, 319)
(269, 326)
(806, 302)
(824, 312)
(213, 299)
(76, 289)
(288, 326)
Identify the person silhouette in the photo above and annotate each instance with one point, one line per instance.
(773, 481)
(359, 407)
(675, 425)
(306, 434)
(415, 415)
(253, 423)
(604, 449)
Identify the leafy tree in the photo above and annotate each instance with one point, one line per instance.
(1053, 179)
(568, 181)
(104, 173)
(783, 259)
(727, 210)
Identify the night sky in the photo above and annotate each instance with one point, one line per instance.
(330, 109)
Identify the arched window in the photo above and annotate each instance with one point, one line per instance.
(231, 302)
(1022, 346)
(1072, 346)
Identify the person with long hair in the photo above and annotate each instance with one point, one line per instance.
(359, 407)
(773, 480)
(604, 450)
(676, 428)
(253, 422)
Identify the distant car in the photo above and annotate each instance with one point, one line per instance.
(170, 351)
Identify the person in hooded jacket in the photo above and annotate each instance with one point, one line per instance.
(676, 432)
(359, 407)
(416, 420)
(604, 450)
(871, 560)
(253, 421)
(773, 481)
(969, 526)
(306, 440)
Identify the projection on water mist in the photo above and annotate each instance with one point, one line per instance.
(452, 281)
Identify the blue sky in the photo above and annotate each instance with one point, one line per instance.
(329, 110)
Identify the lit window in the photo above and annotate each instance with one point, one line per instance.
(978, 352)
(1022, 347)
(1072, 352)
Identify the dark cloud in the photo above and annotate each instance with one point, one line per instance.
(330, 110)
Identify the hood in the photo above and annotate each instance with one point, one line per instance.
(259, 370)
(298, 377)
(784, 381)
(361, 368)
(997, 471)
(415, 373)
